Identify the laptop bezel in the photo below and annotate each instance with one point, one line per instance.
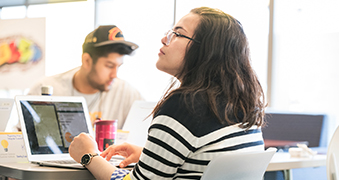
(47, 157)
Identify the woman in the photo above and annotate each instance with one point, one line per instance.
(217, 108)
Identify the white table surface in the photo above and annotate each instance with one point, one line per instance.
(28, 171)
(283, 161)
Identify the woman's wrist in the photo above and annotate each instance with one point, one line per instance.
(100, 168)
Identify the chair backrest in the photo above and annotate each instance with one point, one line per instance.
(332, 160)
(240, 166)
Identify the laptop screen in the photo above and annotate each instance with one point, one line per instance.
(51, 126)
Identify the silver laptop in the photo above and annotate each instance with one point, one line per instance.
(49, 124)
(138, 122)
(6, 105)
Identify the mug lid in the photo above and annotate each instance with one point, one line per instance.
(105, 121)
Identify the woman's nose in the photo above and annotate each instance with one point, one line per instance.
(163, 40)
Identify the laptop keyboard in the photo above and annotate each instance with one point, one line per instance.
(62, 162)
(70, 163)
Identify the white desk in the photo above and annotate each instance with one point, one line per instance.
(28, 171)
(283, 162)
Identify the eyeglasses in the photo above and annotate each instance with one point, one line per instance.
(171, 33)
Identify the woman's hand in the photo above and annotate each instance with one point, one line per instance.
(130, 152)
(82, 144)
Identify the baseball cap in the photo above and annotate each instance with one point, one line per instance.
(107, 35)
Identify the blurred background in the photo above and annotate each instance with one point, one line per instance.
(294, 43)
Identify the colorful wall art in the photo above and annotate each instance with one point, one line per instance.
(19, 50)
(22, 52)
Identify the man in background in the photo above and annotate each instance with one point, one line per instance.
(107, 96)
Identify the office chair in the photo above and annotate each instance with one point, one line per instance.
(332, 160)
(239, 166)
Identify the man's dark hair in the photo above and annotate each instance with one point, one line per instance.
(103, 51)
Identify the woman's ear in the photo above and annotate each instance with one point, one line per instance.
(87, 61)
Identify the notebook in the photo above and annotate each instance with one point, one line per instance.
(6, 105)
(49, 124)
(138, 122)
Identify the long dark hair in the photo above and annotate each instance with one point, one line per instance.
(220, 68)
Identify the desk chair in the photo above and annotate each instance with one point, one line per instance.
(239, 166)
(332, 160)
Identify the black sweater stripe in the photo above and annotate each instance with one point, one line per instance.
(182, 171)
(159, 158)
(137, 171)
(153, 170)
(174, 134)
(239, 146)
(198, 162)
(187, 177)
(241, 133)
(165, 146)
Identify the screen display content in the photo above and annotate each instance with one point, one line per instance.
(51, 126)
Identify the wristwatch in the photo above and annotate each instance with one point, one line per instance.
(87, 158)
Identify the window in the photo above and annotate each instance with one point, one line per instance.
(144, 23)
(305, 78)
(146, 26)
(14, 12)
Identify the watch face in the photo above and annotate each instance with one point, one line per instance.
(85, 159)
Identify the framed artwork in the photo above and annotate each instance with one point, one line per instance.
(22, 52)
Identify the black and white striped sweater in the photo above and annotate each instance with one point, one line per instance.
(181, 142)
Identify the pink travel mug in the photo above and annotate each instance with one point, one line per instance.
(105, 133)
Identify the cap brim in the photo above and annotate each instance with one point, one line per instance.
(133, 46)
